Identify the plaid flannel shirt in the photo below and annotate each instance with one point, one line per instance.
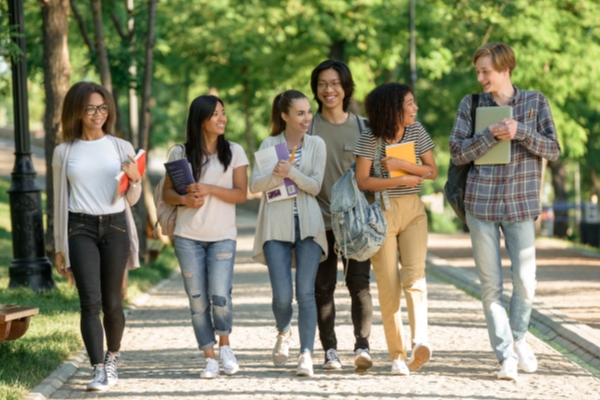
(511, 191)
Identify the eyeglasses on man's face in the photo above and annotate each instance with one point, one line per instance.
(333, 85)
(92, 110)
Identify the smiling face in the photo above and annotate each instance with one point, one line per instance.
(409, 110)
(491, 80)
(215, 125)
(95, 121)
(298, 117)
(330, 90)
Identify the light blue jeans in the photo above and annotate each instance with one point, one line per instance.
(519, 240)
(207, 269)
(278, 255)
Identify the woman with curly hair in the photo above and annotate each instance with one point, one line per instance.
(392, 113)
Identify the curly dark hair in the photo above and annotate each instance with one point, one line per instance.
(384, 109)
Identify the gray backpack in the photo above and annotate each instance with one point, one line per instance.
(359, 227)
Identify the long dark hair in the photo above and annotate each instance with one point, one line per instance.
(202, 109)
(282, 103)
(76, 100)
(384, 109)
(345, 78)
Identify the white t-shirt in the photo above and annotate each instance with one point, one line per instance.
(91, 170)
(215, 219)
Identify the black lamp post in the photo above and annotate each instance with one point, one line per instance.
(30, 267)
(413, 49)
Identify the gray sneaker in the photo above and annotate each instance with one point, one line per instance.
(100, 382)
(281, 350)
(332, 360)
(110, 365)
(362, 360)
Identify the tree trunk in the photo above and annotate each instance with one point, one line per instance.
(141, 208)
(559, 184)
(336, 51)
(101, 52)
(246, 105)
(57, 71)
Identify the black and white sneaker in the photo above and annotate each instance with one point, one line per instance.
(332, 360)
(110, 365)
(100, 382)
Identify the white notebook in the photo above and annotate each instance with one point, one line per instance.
(484, 117)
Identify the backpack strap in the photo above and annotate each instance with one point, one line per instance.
(377, 168)
(474, 104)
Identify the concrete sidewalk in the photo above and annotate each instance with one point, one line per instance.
(160, 358)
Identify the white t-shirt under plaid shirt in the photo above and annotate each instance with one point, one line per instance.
(367, 144)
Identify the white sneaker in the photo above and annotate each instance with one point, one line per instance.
(212, 369)
(420, 355)
(362, 361)
(305, 365)
(399, 368)
(228, 360)
(281, 350)
(332, 360)
(100, 382)
(110, 365)
(527, 360)
(508, 372)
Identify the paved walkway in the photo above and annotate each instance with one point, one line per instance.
(160, 358)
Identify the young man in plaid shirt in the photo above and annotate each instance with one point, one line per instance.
(505, 197)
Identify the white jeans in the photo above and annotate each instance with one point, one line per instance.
(520, 245)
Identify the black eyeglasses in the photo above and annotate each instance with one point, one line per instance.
(92, 110)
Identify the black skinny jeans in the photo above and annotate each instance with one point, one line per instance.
(358, 279)
(98, 251)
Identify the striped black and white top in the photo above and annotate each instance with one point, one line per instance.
(367, 144)
(296, 162)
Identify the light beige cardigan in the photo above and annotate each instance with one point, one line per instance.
(276, 220)
(61, 201)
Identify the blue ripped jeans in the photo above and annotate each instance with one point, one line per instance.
(207, 269)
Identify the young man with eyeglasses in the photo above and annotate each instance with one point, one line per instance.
(332, 86)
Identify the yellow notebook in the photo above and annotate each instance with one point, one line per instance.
(401, 151)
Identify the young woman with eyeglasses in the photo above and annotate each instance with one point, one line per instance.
(95, 240)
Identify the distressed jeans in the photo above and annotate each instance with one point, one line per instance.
(519, 240)
(278, 255)
(207, 269)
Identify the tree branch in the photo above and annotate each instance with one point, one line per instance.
(117, 23)
(82, 27)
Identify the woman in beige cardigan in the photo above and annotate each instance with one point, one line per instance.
(95, 238)
(292, 227)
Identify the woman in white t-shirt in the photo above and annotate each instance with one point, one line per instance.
(95, 238)
(205, 231)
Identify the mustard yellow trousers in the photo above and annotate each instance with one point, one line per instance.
(406, 242)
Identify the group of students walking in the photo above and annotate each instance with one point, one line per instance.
(96, 240)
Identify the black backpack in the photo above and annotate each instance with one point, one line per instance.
(455, 187)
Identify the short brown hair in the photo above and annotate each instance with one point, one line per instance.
(74, 105)
(385, 109)
(503, 56)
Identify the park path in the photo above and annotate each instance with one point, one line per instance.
(160, 358)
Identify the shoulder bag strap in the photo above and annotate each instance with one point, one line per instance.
(377, 168)
(474, 104)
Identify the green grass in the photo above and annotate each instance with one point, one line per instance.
(53, 335)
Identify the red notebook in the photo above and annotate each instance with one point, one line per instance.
(122, 178)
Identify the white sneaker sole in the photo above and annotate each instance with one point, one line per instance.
(330, 366)
(419, 357)
(304, 372)
(362, 364)
(231, 371)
